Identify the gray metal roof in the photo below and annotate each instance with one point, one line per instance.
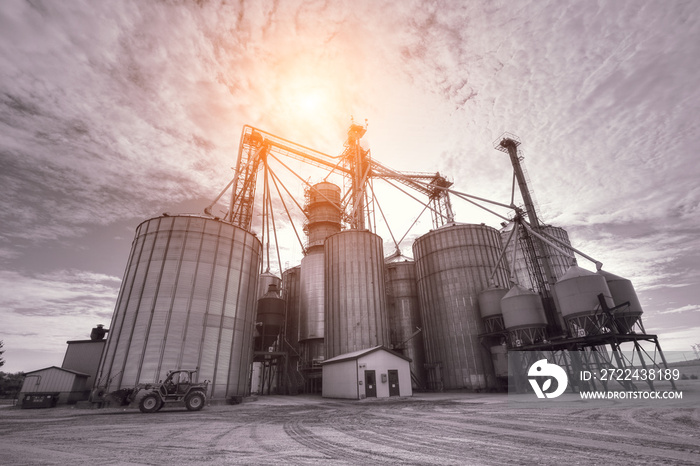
(81, 374)
(357, 354)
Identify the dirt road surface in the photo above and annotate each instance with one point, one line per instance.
(444, 428)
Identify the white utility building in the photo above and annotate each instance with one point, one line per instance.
(373, 372)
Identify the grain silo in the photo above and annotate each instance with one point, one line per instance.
(523, 266)
(270, 319)
(453, 264)
(311, 307)
(403, 314)
(622, 291)
(188, 300)
(577, 297)
(355, 294)
(291, 279)
(291, 292)
(324, 215)
(523, 316)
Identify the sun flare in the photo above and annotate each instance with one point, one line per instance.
(309, 101)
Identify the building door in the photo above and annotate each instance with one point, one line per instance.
(394, 383)
(370, 384)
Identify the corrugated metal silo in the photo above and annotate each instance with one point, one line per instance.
(560, 262)
(187, 301)
(311, 308)
(355, 292)
(324, 216)
(291, 279)
(454, 264)
(577, 295)
(403, 314)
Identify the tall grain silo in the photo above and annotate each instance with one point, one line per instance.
(291, 280)
(188, 300)
(453, 264)
(311, 308)
(403, 313)
(355, 292)
(324, 216)
(560, 263)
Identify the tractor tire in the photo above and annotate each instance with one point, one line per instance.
(195, 401)
(150, 403)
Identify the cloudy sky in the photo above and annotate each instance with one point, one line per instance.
(114, 112)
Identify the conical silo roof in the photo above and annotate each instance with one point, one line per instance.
(517, 290)
(575, 272)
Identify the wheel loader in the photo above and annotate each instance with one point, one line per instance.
(178, 386)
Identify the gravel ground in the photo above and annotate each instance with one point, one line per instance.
(436, 428)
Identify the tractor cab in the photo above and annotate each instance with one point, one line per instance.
(178, 382)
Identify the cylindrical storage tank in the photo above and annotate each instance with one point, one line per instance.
(270, 318)
(187, 301)
(490, 308)
(324, 212)
(355, 293)
(403, 314)
(311, 311)
(453, 264)
(523, 316)
(312, 308)
(265, 280)
(622, 291)
(324, 216)
(291, 281)
(577, 296)
(559, 262)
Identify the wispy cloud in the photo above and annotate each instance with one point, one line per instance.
(678, 310)
(59, 293)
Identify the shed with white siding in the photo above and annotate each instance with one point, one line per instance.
(372, 372)
(70, 385)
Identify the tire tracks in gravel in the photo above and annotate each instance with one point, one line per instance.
(643, 418)
(596, 449)
(332, 450)
(422, 448)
